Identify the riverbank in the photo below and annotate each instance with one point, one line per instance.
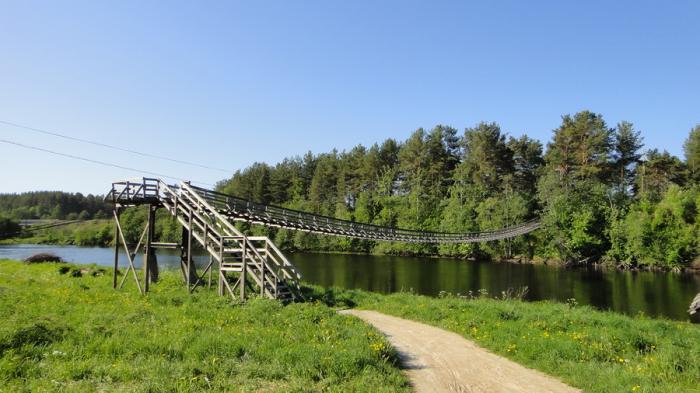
(100, 233)
(74, 332)
(652, 293)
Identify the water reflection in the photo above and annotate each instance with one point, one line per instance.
(655, 294)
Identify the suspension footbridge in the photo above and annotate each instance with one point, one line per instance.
(207, 218)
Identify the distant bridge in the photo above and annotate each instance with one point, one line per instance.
(207, 217)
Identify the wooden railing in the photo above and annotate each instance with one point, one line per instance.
(256, 256)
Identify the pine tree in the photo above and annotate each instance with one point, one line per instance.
(657, 171)
(691, 148)
(627, 143)
(580, 148)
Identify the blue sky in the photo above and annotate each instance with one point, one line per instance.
(227, 84)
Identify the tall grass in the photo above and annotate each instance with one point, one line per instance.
(73, 332)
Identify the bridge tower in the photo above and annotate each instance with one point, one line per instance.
(242, 262)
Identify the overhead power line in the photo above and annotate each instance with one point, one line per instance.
(104, 163)
(140, 153)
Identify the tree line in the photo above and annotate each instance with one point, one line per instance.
(53, 205)
(600, 195)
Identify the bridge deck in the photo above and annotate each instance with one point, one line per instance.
(241, 209)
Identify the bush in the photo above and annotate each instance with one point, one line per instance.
(43, 257)
(664, 233)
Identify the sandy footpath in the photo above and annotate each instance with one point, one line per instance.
(436, 360)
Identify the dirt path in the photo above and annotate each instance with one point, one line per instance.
(440, 361)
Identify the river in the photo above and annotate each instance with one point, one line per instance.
(652, 293)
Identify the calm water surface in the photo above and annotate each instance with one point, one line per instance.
(654, 294)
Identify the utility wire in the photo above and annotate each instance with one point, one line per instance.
(112, 146)
(100, 162)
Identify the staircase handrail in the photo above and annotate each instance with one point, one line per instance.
(223, 220)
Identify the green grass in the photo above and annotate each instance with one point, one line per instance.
(63, 331)
(586, 348)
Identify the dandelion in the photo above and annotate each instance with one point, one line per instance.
(635, 388)
(378, 347)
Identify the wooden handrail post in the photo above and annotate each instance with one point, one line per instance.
(263, 266)
(243, 270)
(222, 276)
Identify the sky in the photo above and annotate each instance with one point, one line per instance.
(226, 84)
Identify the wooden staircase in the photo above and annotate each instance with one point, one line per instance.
(244, 261)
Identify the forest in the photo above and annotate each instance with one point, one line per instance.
(601, 196)
(53, 205)
(56, 205)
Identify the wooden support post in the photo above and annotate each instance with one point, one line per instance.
(211, 267)
(183, 252)
(116, 247)
(262, 280)
(189, 255)
(148, 251)
(152, 259)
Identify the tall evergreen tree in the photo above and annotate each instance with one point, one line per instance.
(627, 143)
(527, 164)
(323, 188)
(580, 148)
(252, 183)
(657, 171)
(487, 158)
(573, 189)
(691, 148)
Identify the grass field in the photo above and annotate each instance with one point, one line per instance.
(65, 331)
(60, 332)
(586, 348)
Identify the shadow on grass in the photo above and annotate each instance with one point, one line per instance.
(333, 297)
